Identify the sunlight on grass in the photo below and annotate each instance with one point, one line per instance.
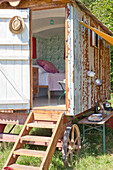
(31, 161)
(4, 152)
(90, 158)
(111, 100)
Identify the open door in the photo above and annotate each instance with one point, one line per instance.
(14, 61)
(48, 32)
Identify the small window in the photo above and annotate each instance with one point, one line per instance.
(93, 39)
(96, 40)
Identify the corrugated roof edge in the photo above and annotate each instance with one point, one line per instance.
(81, 5)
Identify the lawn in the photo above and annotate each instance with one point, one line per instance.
(90, 158)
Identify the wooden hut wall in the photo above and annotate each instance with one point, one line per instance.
(69, 60)
(34, 4)
(81, 95)
(14, 62)
(104, 56)
(82, 92)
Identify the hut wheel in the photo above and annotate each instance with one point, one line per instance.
(71, 143)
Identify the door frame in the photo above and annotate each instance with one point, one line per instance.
(66, 53)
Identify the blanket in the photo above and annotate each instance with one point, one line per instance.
(53, 79)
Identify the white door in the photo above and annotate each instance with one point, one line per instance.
(14, 62)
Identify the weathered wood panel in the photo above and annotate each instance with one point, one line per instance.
(93, 56)
(35, 5)
(14, 63)
(84, 57)
(85, 66)
(105, 70)
(96, 70)
(70, 57)
(82, 61)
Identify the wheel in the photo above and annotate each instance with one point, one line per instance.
(71, 143)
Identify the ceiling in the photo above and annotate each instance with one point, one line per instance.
(47, 23)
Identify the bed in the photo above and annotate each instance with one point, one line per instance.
(49, 80)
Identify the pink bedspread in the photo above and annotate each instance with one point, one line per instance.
(53, 79)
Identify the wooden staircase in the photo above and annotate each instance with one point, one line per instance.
(38, 119)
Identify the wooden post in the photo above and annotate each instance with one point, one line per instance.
(31, 72)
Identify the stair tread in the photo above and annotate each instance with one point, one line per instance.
(29, 152)
(46, 115)
(41, 125)
(49, 108)
(35, 138)
(23, 167)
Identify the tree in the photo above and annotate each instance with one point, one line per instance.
(102, 9)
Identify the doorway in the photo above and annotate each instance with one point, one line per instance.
(48, 53)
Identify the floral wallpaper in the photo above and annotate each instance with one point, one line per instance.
(41, 48)
(52, 49)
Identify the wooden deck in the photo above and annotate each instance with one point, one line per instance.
(53, 108)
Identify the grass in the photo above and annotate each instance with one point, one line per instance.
(90, 158)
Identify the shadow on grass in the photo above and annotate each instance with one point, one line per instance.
(90, 157)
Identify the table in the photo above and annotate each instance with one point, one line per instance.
(64, 92)
(97, 126)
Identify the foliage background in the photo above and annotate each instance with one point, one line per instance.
(103, 10)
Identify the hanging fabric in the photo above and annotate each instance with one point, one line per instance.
(34, 48)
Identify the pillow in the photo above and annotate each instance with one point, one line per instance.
(41, 62)
(47, 66)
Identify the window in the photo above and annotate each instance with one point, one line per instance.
(93, 39)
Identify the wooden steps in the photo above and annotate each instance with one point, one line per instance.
(39, 125)
(37, 120)
(28, 152)
(35, 138)
(23, 167)
(53, 115)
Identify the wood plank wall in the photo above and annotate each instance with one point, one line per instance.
(86, 58)
(82, 95)
(14, 62)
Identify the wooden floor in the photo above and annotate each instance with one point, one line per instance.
(43, 101)
(51, 108)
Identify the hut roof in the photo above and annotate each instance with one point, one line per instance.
(80, 4)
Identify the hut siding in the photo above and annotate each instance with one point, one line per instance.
(14, 62)
(82, 57)
(104, 70)
(70, 59)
